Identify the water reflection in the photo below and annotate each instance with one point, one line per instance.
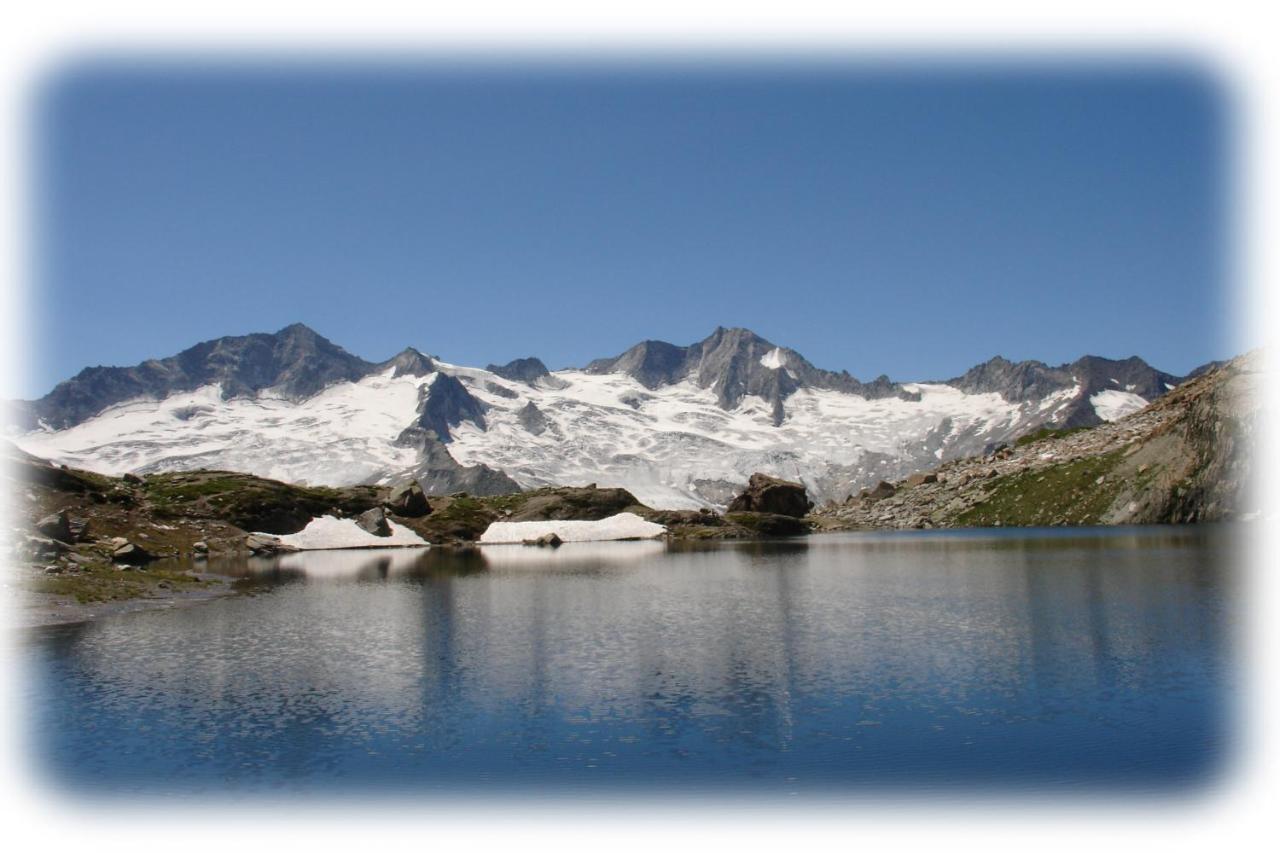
(848, 660)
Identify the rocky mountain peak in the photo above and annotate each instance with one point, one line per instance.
(410, 362)
(527, 370)
(296, 361)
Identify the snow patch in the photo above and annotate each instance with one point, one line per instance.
(773, 359)
(1113, 405)
(624, 525)
(328, 533)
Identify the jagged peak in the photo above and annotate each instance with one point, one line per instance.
(528, 370)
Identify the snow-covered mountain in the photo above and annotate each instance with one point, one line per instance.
(679, 426)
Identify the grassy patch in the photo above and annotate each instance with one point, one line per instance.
(107, 583)
(1044, 433)
(1059, 494)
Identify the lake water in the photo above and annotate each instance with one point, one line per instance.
(959, 660)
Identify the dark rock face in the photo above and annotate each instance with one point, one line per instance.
(409, 501)
(440, 474)
(446, 403)
(765, 494)
(548, 540)
(532, 419)
(500, 390)
(374, 521)
(527, 370)
(295, 360)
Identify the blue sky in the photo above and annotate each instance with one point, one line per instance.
(899, 220)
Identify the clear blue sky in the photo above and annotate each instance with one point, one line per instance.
(908, 222)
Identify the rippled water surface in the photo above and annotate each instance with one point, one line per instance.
(1014, 660)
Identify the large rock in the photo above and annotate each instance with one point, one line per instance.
(409, 501)
(576, 503)
(770, 495)
(261, 545)
(130, 554)
(374, 521)
(56, 526)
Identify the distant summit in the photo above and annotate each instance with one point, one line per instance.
(295, 361)
(735, 363)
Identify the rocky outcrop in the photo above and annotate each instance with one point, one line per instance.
(532, 419)
(446, 403)
(408, 500)
(765, 494)
(1184, 458)
(579, 503)
(440, 474)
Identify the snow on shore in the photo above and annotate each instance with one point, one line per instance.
(624, 525)
(327, 532)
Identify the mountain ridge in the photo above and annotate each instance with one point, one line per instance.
(677, 424)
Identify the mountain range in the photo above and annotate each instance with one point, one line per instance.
(679, 426)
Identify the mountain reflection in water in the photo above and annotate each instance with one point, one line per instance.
(1006, 659)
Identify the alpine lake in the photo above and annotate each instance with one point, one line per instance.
(993, 660)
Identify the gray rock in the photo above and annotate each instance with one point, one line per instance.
(409, 501)
(130, 554)
(56, 526)
(532, 419)
(920, 478)
(262, 545)
(548, 540)
(374, 521)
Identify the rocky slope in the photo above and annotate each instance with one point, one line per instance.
(1184, 458)
(681, 427)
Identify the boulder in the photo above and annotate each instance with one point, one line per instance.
(765, 494)
(130, 554)
(920, 478)
(374, 521)
(882, 490)
(261, 545)
(548, 540)
(132, 479)
(56, 526)
(409, 501)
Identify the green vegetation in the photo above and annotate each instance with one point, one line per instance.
(1059, 494)
(251, 503)
(1046, 432)
(104, 582)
